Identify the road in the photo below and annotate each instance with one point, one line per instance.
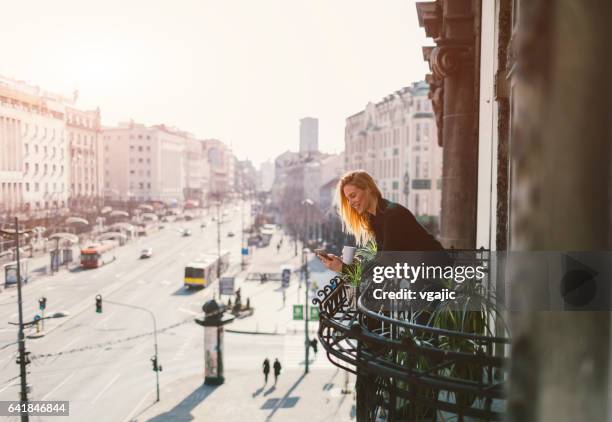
(113, 379)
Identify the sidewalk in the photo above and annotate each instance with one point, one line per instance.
(316, 396)
(271, 315)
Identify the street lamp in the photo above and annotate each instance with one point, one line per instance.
(307, 204)
(20, 336)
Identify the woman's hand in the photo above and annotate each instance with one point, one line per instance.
(331, 262)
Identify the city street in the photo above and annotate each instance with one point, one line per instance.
(92, 360)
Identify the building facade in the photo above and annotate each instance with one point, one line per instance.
(266, 176)
(221, 166)
(34, 170)
(145, 163)
(396, 142)
(85, 158)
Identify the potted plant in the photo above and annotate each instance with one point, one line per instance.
(353, 273)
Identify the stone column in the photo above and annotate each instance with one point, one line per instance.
(561, 184)
(453, 90)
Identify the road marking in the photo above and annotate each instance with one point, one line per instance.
(187, 311)
(182, 349)
(119, 274)
(129, 418)
(104, 389)
(10, 384)
(165, 282)
(58, 386)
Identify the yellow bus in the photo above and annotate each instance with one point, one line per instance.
(203, 271)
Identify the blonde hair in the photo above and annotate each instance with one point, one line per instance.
(352, 221)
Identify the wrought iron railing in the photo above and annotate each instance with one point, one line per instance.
(406, 370)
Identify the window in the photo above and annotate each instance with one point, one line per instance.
(36, 149)
(140, 147)
(27, 167)
(149, 185)
(141, 185)
(132, 172)
(45, 150)
(148, 148)
(395, 185)
(35, 168)
(36, 189)
(45, 169)
(140, 137)
(26, 148)
(140, 160)
(27, 186)
(131, 147)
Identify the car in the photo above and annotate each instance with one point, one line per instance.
(203, 224)
(230, 234)
(146, 253)
(186, 232)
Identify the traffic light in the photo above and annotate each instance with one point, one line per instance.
(99, 304)
(156, 367)
(42, 303)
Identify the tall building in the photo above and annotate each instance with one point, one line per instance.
(34, 172)
(396, 142)
(309, 135)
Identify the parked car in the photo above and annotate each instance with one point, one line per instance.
(230, 234)
(146, 253)
(186, 232)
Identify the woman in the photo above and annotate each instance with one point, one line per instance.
(367, 216)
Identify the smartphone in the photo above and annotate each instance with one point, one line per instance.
(322, 253)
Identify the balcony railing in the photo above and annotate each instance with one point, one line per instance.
(406, 370)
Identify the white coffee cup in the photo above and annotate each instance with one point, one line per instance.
(348, 253)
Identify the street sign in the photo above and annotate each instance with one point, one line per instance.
(245, 251)
(226, 285)
(298, 312)
(314, 313)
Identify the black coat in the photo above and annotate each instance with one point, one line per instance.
(396, 229)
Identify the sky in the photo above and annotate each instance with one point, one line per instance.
(242, 71)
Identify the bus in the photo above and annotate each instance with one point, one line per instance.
(203, 271)
(96, 255)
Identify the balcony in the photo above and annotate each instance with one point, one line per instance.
(409, 371)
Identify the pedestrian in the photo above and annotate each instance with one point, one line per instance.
(266, 370)
(313, 344)
(278, 246)
(277, 370)
(284, 297)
